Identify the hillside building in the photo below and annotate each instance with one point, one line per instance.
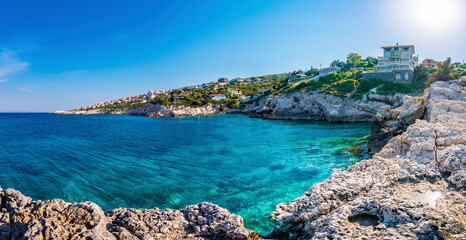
(396, 65)
(429, 63)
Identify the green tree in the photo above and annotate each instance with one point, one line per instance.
(371, 62)
(444, 70)
(421, 73)
(335, 63)
(312, 72)
(353, 59)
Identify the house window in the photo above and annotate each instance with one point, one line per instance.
(406, 49)
(398, 76)
(406, 76)
(396, 48)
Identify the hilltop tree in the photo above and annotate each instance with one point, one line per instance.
(353, 59)
(312, 72)
(421, 73)
(444, 70)
(371, 62)
(335, 63)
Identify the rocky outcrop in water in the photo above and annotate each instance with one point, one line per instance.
(414, 188)
(22, 218)
(313, 106)
(151, 110)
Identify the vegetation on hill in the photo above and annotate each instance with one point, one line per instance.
(345, 83)
(201, 96)
(349, 83)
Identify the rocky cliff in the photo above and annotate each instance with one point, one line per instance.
(151, 110)
(313, 106)
(388, 122)
(414, 188)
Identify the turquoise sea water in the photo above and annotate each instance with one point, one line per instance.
(245, 165)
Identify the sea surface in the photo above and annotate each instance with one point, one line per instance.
(246, 165)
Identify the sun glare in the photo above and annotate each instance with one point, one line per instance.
(426, 17)
(435, 16)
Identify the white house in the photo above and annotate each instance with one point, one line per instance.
(150, 95)
(235, 91)
(397, 64)
(217, 97)
(297, 77)
(236, 81)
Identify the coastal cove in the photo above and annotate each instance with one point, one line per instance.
(246, 165)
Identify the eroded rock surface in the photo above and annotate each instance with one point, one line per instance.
(414, 188)
(388, 122)
(22, 218)
(313, 106)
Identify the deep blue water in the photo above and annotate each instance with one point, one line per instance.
(245, 165)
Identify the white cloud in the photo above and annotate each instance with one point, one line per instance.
(28, 90)
(10, 64)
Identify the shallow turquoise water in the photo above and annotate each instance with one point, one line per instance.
(245, 165)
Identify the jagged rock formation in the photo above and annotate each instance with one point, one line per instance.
(414, 188)
(22, 218)
(312, 106)
(152, 110)
(388, 123)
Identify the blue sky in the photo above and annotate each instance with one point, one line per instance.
(66, 54)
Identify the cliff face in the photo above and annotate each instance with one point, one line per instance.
(312, 106)
(414, 188)
(151, 110)
(388, 122)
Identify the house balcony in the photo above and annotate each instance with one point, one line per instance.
(390, 68)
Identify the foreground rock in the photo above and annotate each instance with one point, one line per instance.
(21, 218)
(414, 188)
(151, 110)
(313, 106)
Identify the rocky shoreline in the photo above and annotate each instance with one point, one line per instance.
(414, 188)
(151, 110)
(296, 106)
(313, 106)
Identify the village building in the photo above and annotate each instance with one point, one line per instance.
(327, 70)
(236, 81)
(396, 65)
(150, 95)
(297, 77)
(429, 63)
(177, 98)
(235, 91)
(217, 97)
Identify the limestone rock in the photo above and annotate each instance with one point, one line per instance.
(388, 123)
(151, 110)
(312, 106)
(22, 218)
(414, 188)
